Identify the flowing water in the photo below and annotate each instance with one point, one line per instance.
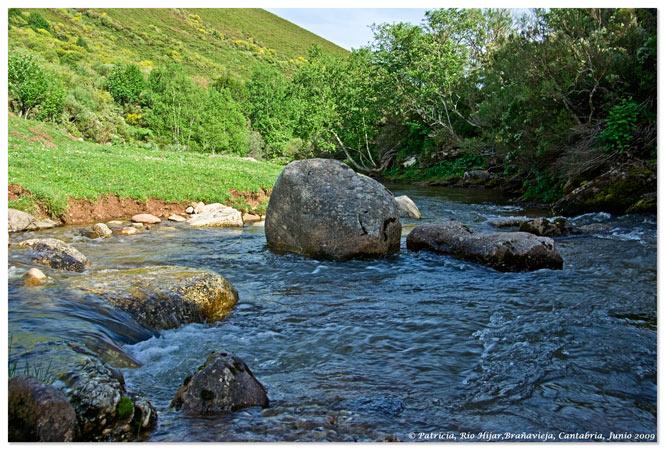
(381, 349)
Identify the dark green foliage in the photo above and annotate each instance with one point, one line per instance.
(36, 22)
(125, 83)
(33, 92)
(620, 126)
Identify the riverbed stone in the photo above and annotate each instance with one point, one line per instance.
(145, 218)
(198, 207)
(189, 210)
(221, 385)
(323, 209)
(106, 411)
(407, 207)
(507, 221)
(127, 231)
(34, 277)
(100, 230)
(39, 412)
(543, 226)
(503, 251)
(176, 218)
(56, 254)
(22, 221)
(163, 297)
(216, 215)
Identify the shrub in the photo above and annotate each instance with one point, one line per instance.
(126, 83)
(36, 22)
(33, 92)
(620, 126)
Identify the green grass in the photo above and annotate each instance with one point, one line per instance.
(207, 42)
(443, 171)
(54, 166)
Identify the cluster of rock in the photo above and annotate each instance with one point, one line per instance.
(92, 402)
(541, 226)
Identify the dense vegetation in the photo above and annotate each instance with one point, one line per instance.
(546, 100)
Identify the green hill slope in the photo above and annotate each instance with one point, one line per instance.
(207, 42)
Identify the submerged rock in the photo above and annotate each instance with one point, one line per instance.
(407, 208)
(104, 408)
(216, 215)
(39, 412)
(100, 230)
(221, 385)
(34, 277)
(323, 209)
(162, 297)
(504, 251)
(145, 218)
(546, 227)
(127, 231)
(56, 254)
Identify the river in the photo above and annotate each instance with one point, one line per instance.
(382, 349)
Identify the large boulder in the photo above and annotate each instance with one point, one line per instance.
(504, 251)
(407, 208)
(221, 385)
(106, 411)
(56, 254)
(216, 215)
(162, 297)
(39, 413)
(323, 209)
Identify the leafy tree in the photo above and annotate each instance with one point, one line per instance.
(33, 92)
(126, 83)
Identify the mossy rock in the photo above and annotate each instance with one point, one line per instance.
(163, 297)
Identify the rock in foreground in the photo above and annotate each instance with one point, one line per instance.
(162, 297)
(104, 408)
(56, 254)
(407, 208)
(323, 209)
(39, 413)
(22, 221)
(504, 251)
(221, 385)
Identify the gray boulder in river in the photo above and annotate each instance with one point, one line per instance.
(39, 412)
(221, 385)
(504, 251)
(162, 297)
(56, 254)
(106, 411)
(323, 209)
(22, 221)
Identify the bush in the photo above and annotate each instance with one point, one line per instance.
(620, 126)
(33, 92)
(126, 83)
(36, 22)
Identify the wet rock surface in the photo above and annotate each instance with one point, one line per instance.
(106, 411)
(504, 251)
(162, 297)
(321, 208)
(221, 385)
(56, 254)
(39, 412)
(407, 207)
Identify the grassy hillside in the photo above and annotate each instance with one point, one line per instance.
(207, 42)
(53, 165)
